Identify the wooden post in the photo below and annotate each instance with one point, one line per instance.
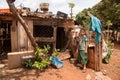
(95, 56)
(54, 35)
(14, 36)
(30, 24)
(98, 56)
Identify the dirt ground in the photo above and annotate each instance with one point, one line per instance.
(67, 72)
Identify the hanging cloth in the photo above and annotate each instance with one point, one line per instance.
(95, 25)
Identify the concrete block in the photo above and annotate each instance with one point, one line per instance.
(15, 58)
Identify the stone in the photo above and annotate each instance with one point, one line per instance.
(88, 77)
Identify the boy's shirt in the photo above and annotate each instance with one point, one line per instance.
(82, 42)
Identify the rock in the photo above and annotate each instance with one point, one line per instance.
(100, 76)
(104, 72)
(88, 77)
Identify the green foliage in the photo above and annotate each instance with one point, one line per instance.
(42, 53)
(38, 53)
(55, 53)
(28, 63)
(107, 58)
(83, 18)
(106, 10)
(42, 58)
(46, 49)
(71, 5)
(41, 65)
(109, 43)
(109, 23)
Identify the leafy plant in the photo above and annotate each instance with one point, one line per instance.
(38, 53)
(109, 43)
(55, 52)
(41, 65)
(46, 52)
(107, 58)
(28, 63)
(42, 58)
(46, 49)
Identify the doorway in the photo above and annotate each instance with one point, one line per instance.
(5, 37)
(61, 39)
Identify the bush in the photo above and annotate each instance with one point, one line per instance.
(42, 58)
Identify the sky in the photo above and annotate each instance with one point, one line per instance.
(54, 5)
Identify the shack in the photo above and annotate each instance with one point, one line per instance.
(45, 27)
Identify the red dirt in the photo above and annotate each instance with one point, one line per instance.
(67, 72)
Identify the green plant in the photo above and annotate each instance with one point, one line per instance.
(55, 52)
(107, 58)
(42, 58)
(46, 52)
(109, 43)
(28, 63)
(46, 49)
(41, 65)
(38, 53)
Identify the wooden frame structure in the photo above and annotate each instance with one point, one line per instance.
(19, 39)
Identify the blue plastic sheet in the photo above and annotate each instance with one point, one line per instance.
(55, 61)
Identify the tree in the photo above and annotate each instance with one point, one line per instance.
(109, 23)
(71, 5)
(105, 10)
(83, 18)
(20, 19)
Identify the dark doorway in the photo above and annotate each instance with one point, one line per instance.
(60, 43)
(5, 37)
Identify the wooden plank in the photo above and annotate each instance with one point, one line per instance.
(30, 24)
(91, 57)
(14, 36)
(54, 36)
(44, 39)
(22, 38)
(43, 22)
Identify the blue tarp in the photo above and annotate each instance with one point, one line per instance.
(55, 61)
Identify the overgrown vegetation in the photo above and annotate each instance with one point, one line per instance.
(105, 10)
(42, 58)
(110, 44)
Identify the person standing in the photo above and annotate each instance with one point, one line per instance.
(82, 49)
(95, 25)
